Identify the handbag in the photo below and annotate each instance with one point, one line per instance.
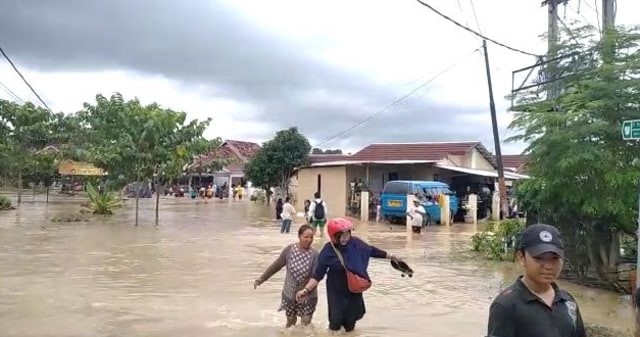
(355, 282)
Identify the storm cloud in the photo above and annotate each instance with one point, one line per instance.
(205, 43)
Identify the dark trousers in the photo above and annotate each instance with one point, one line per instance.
(336, 326)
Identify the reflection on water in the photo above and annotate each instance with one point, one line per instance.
(193, 276)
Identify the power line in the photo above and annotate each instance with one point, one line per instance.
(571, 35)
(475, 16)
(11, 93)
(587, 20)
(24, 79)
(474, 32)
(370, 117)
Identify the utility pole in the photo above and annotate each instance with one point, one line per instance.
(552, 45)
(502, 187)
(609, 8)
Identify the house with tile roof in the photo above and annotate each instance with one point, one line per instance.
(515, 163)
(460, 164)
(235, 152)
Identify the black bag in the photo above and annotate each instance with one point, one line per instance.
(318, 212)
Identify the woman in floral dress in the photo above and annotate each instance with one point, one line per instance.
(300, 260)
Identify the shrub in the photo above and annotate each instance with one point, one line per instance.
(5, 203)
(497, 241)
(102, 202)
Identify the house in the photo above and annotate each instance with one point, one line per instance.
(235, 153)
(460, 164)
(515, 163)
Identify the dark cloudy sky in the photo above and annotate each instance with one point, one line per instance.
(259, 66)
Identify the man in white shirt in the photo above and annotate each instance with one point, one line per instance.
(416, 215)
(288, 211)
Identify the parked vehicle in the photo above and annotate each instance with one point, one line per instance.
(393, 202)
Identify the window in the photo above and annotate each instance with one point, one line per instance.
(393, 176)
(432, 191)
(396, 188)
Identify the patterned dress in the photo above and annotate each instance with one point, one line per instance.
(300, 266)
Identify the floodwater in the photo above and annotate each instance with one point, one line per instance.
(193, 276)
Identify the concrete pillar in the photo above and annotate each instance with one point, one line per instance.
(473, 208)
(495, 206)
(364, 206)
(410, 199)
(445, 212)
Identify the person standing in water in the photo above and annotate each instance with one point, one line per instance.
(307, 205)
(288, 212)
(300, 259)
(417, 214)
(534, 305)
(343, 253)
(279, 205)
(318, 213)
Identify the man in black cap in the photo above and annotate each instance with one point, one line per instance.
(534, 306)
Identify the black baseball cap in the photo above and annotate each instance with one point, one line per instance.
(540, 238)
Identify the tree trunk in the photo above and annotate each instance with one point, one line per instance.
(34, 193)
(19, 187)
(157, 201)
(604, 252)
(137, 200)
(267, 192)
(47, 194)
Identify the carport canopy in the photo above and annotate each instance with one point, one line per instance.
(482, 173)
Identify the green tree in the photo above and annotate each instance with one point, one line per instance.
(42, 169)
(585, 176)
(316, 150)
(274, 163)
(25, 129)
(136, 142)
(174, 146)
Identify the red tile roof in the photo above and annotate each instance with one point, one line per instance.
(323, 158)
(245, 150)
(414, 151)
(234, 151)
(514, 161)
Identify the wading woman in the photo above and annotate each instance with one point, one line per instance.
(344, 260)
(300, 260)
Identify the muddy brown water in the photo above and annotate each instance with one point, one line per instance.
(193, 275)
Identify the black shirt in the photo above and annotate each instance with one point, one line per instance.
(517, 312)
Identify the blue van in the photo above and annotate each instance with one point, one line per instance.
(393, 202)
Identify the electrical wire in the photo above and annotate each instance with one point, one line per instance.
(571, 35)
(475, 16)
(474, 32)
(587, 20)
(23, 79)
(373, 115)
(11, 93)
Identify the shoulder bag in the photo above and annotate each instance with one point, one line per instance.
(355, 282)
